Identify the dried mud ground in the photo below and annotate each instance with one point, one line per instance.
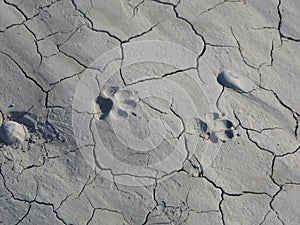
(149, 112)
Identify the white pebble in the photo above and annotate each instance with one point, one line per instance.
(235, 81)
(12, 132)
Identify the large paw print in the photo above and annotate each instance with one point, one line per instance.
(118, 103)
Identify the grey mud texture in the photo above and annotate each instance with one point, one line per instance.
(147, 112)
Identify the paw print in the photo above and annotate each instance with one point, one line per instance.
(126, 103)
(119, 103)
(216, 129)
(224, 129)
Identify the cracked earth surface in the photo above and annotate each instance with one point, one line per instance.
(149, 112)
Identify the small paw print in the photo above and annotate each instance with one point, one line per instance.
(215, 129)
(224, 129)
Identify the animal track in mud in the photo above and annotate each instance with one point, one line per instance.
(224, 129)
(117, 103)
(219, 129)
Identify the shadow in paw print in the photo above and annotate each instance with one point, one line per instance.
(228, 124)
(213, 138)
(229, 134)
(201, 125)
(105, 105)
(122, 113)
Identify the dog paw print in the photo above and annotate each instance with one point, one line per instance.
(216, 129)
(118, 103)
(224, 129)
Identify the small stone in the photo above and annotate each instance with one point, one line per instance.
(235, 82)
(12, 132)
